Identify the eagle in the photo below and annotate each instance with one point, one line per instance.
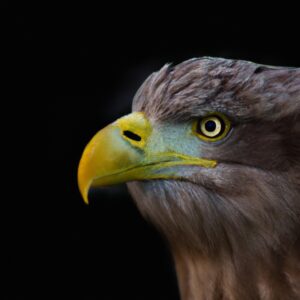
(211, 157)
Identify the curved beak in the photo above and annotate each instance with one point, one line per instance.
(120, 152)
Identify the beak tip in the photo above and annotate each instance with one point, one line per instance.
(84, 181)
(84, 189)
(86, 199)
(85, 193)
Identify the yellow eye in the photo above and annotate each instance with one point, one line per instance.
(213, 127)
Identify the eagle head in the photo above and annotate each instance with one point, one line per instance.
(211, 154)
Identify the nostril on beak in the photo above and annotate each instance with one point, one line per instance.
(132, 136)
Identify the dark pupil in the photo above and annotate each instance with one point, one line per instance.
(210, 126)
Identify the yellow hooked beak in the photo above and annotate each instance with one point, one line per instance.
(124, 151)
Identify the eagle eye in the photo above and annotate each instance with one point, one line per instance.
(213, 127)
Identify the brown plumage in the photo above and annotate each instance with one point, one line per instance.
(234, 230)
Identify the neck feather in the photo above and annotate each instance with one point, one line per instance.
(238, 277)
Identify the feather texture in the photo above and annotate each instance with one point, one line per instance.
(234, 230)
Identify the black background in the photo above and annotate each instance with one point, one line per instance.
(89, 63)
